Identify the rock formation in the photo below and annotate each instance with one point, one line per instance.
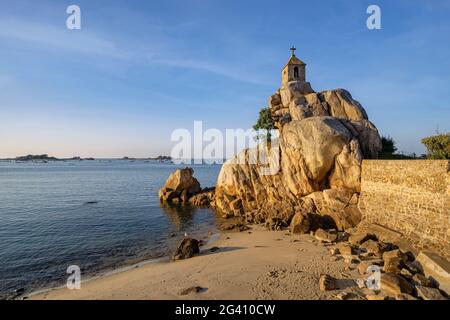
(182, 188)
(386, 271)
(315, 163)
(188, 248)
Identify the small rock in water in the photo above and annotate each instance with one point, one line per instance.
(19, 291)
(214, 249)
(91, 202)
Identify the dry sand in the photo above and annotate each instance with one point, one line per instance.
(254, 264)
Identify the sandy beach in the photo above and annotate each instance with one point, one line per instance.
(255, 264)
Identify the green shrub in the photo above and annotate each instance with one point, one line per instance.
(388, 145)
(438, 146)
(265, 122)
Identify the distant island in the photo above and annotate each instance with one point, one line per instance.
(162, 158)
(30, 157)
(46, 158)
(158, 158)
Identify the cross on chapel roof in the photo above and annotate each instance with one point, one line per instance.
(294, 59)
(293, 50)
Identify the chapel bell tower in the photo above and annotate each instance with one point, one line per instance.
(294, 70)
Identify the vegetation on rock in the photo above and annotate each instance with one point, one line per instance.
(265, 122)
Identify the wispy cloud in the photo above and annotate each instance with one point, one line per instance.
(85, 42)
(78, 41)
(211, 67)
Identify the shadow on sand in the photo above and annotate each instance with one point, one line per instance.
(207, 252)
(345, 283)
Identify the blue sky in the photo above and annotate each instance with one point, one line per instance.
(137, 70)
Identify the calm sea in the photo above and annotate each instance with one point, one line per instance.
(99, 215)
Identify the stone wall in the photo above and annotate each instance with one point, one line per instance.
(409, 196)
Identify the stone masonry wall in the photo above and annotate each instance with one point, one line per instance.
(409, 196)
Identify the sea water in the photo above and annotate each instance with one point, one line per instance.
(98, 215)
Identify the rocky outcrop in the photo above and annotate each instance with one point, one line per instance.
(311, 172)
(187, 249)
(182, 188)
(384, 269)
(203, 199)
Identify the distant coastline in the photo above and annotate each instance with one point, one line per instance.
(43, 158)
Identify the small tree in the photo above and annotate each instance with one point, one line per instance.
(438, 146)
(388, 145)
(265, 122)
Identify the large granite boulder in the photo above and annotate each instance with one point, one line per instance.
(298, 105)
(183, 179)
(180, 186)
(316, 154)
(313, 168)
(312, 149)
(294, 89)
